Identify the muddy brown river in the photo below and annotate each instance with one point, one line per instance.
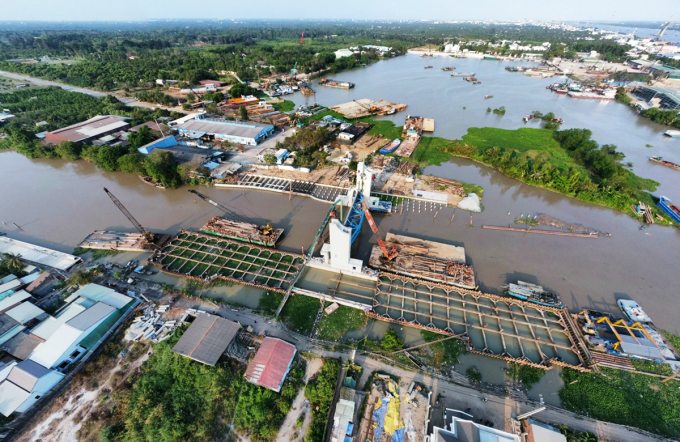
(57, 203)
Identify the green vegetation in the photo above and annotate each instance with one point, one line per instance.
(652, 367)
(306, 143)
(156, 96)
(672, 339)
(285, 106)
(345, 319)
(574, 436)
(320, 392)
(96, 253)
(445, 353)
(80, 278)
(11, 264)
(527, 375)
(566, 161)
(299, 313)
(667, 117)
(269, 302)
(473, 374)
(499, 110)
(175, 398)
(624, 398)
(261, 412)
(391, 340)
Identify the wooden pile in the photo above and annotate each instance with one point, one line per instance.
(450, 186)
(408, 167)
(643, 210)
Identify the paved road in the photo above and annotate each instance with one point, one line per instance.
(129, 101)
(499, 407)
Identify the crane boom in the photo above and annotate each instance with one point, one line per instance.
(265, 230)
(374, 227)
(128, 215)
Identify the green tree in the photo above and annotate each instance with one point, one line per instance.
(12, 262)
(80, 278)
(141, 137)
(162, 167)
(132, 163)
(270, 158)
(239, 90)
(69, 150)
(107, 157)
(243, 113)
(391, 341)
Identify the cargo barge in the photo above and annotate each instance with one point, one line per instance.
(670, 209)
(609, 94)
(534, 293)
(250, 233)
(336, 84)
(660, 160)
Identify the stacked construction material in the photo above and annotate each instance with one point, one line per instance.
(241, 231)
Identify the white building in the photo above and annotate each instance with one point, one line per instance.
(23, 383)
(343, 53)
(461, 427)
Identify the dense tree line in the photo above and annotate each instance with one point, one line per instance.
(60, 108)
(320, 392)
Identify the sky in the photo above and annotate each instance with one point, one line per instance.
(132, 10)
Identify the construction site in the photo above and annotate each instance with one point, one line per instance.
(417, 283)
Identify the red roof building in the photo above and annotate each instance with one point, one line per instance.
(216, 83)
(271, 364)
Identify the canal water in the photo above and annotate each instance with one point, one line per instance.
(57, 203)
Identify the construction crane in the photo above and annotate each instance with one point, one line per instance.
(146, 234)
(374, 227)
(267, 230)
(664, 28)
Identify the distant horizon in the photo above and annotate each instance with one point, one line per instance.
(376, 10)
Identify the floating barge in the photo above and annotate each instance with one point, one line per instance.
(111, 240)
(336, 84)
(534, 293)
(672, 210)
(306, 90)
(240, 231)
(665, 163)
(365, 107)
(424, 259)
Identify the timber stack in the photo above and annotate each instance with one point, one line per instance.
(241, 231)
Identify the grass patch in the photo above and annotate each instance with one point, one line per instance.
(285, 106)
(525, 374)
(652, 367)
(432, 151)
(672, 339)
(96, 253)
(320, 393)
(624, 398)
(299, 313)
(443, 354)
(269, 302)
(473, 374)
(385, 128)
(345, 319)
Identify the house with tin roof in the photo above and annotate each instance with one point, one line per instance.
(271, 364)
(23, 383)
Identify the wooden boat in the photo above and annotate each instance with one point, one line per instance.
(391, 147)
(660, 160)
(486, 97)
(148, 180)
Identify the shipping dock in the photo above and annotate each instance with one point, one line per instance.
(660, 160)
(241, 231)
(424, 259)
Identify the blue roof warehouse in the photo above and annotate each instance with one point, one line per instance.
(235, 132)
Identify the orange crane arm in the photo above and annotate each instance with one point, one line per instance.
(374, 227)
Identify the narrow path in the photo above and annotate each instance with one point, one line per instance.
(289, 431)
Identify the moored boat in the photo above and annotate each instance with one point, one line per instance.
(428, 67)
(633, 311)
(670, 209)
(391, 147)
(672, 133)
(486, 97)
(448, 68)
(336, 84)
(660, 160)
(533, 293)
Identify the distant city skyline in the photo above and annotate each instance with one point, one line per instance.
(135, 10)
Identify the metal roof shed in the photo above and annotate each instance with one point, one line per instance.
(206, 339)
(270, 365)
